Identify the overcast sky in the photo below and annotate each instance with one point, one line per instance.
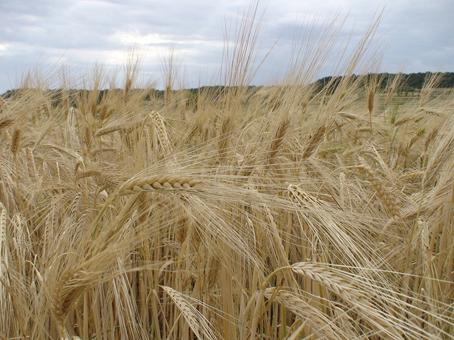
(414, 35)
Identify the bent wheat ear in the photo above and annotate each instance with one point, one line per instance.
(314, 141)
(65, 295)
(199, 325)
(386, 197)
(352, 294)
(319, 323)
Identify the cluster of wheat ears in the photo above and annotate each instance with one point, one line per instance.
(282, 212)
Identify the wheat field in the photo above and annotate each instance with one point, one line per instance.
(282, 212)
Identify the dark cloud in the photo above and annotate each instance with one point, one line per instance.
(414, 35)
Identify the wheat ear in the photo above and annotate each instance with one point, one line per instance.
(318, 323)
(6, 122)
(383, 193)
(2, 233)
(15, 141)
(278, 140)
(160, 183)
(314, 141)
(199, 325)
(161, 131)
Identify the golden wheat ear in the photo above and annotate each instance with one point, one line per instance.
(199, 325)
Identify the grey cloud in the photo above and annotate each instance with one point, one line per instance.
(415, 35)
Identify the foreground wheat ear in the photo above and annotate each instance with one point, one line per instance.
(157, 183)
(296, 211)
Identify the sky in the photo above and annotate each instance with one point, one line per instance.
(46, 35)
